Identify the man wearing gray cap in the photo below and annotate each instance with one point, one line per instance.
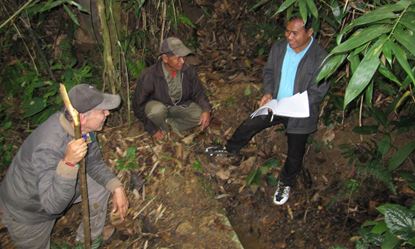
(170, 93)
(42, 183)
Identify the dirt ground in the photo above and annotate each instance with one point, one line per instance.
(180, 198)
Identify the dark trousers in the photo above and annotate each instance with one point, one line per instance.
(296, 143)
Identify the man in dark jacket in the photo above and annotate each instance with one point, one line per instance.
(292, 67)
(170, 93)
(42, 182)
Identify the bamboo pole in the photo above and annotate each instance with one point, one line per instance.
(82, 170)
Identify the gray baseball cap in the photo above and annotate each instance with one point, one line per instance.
(175, 46)
(85, 97)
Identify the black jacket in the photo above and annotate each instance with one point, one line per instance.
(153, 86)
(307, 71)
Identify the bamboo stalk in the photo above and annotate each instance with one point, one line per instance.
(82, 169)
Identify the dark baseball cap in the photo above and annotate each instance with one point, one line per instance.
(174, 45)
(85, 97)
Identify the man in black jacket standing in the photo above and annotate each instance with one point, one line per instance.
(169, 93)
(292, 67)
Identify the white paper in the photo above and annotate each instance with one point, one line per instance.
(295, 106)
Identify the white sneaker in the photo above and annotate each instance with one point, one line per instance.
(281, 194)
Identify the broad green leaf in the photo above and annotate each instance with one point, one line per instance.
(284, 6)
(303, 9)
(390, 241)
(403, 61)
(330, 66)
(388, 74)
(408, 20)
(33, 106)
(401, 155)
(366, 129)
(401, 222)
(71, 15)
(361, 37)
(364, 72)
(406, 38)
(379, 228)
(384, 145)
(384, 207)
(354, 61)
(371, 17)
(312, 7)
(387, 51)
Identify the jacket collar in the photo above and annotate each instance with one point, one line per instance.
(66, 125)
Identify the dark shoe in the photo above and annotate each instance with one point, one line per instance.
(281, 194)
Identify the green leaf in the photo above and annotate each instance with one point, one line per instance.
(408, 20)
(385, 12)
(186, 21)
(388, 74)
(369, 94)
(406, 39)
(253, 177)
(361, 37)
(197, 166)
(403, 61)
(387, 51)
(330, 66)
(401, 155)
(401, 222)
(284, 6)
(71, 15)
(382, 208)
(303, 9)
(33, 106)
(78, 6)
(364, 72)
(312, 7)
(379, 228)
(366, 129)
(354, 61)
(390, 241)
(384, 145)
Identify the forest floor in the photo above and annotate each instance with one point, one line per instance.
(180, 198)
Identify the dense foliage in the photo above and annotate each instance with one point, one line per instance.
(370, 61)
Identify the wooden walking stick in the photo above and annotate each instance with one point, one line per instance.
(82, 171)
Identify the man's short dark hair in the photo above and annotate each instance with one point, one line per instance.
(308, 23)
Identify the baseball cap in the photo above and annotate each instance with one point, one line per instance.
(174, 45)
(85, 97)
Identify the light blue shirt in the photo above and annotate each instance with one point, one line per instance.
(289, 70)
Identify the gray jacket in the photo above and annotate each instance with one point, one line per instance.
(307, 72)
(38, 186)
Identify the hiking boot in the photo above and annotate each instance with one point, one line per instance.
(281, 194)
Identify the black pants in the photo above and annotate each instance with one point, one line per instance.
(296, 143)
